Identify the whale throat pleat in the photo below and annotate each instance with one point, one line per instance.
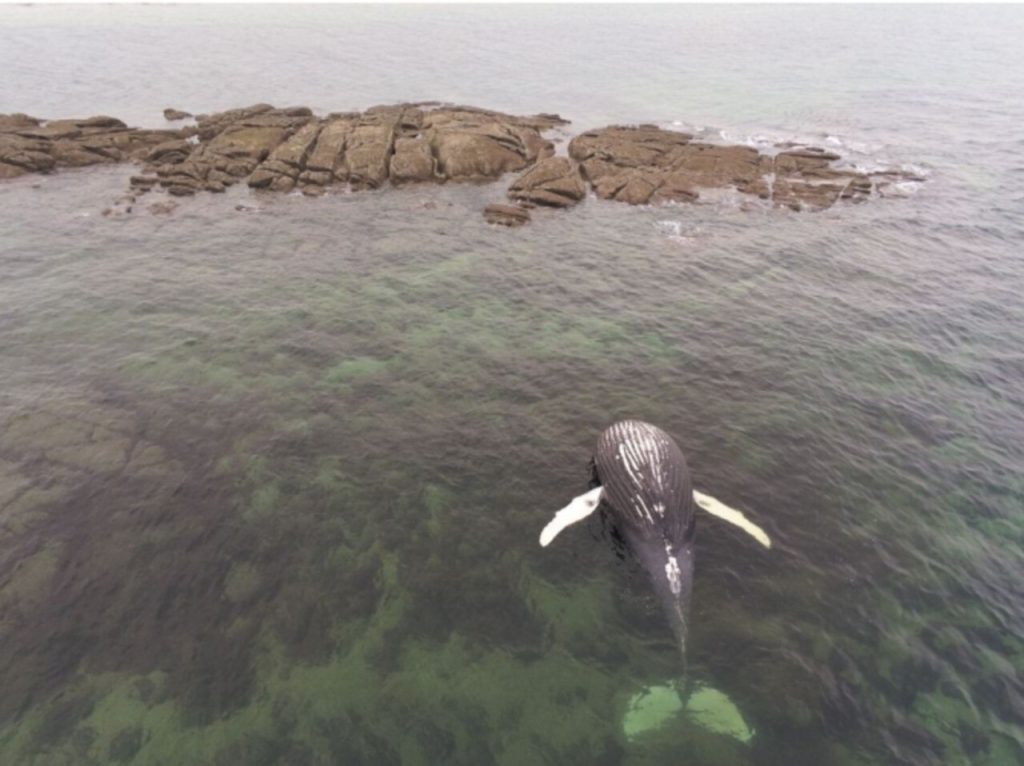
(645, 477)
(577, 510)
(724, 512)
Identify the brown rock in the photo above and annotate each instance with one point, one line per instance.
(858, 190)
(170, 152)
(628, 147)
(247, 142)
(368, 148)
(34, 146)
(233, 144)
(11, 171)
(474, 155)
(143, 183)
(315, 177)
(163, 208)
(803, 195)
(475, 145)
(607, 185)
(718, 166)
(806, 163)
(73, 129)
(282, 168)
(638, 188)
(281, 149)
(211, 124)
(15, 122)
(675, 186)
(328, 156)
(103, 122)
(412, 161)
(73, 154)
(32, 155)
(506, 215)
(555, 182)
(172, 115)
(132, 144)
(648, 164)
(180, 190)
(286, 149)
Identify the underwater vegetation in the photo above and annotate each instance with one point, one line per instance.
(279, 504)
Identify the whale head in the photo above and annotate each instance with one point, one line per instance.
(649, 496)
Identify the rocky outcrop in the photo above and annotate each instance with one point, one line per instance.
(280, 172)
(235, 148)
(30, 145)
(647, 164)
(288, 149)
(555, 182)
(413, 160)
(477, 145)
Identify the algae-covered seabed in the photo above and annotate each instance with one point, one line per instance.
(271, 481)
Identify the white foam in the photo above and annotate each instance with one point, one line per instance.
(677, 231)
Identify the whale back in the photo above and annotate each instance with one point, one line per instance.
(645, 480)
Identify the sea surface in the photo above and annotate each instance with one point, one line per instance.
(272, 469)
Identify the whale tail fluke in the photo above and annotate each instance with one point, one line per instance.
(577, 510)
(724, 512)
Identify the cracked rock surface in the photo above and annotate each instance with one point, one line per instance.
(285, 149)
(29, 145)
(647, 164)
(288, 149)
(554, 182)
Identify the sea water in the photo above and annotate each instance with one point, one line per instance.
(272, 469)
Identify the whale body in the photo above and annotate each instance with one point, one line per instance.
(645, 484)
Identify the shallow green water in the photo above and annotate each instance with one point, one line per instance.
(271, 478)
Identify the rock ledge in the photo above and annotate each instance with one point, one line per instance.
(286, 149)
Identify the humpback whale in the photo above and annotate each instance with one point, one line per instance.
(643, 481)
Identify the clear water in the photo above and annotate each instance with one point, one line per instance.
(271, 478)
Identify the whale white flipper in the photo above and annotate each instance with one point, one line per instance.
(722, 511)
(577, 510)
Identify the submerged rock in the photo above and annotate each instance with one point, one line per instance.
(163, 208)
(506, 215)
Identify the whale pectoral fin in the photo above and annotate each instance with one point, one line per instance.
(577, 510)
(722, 511)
